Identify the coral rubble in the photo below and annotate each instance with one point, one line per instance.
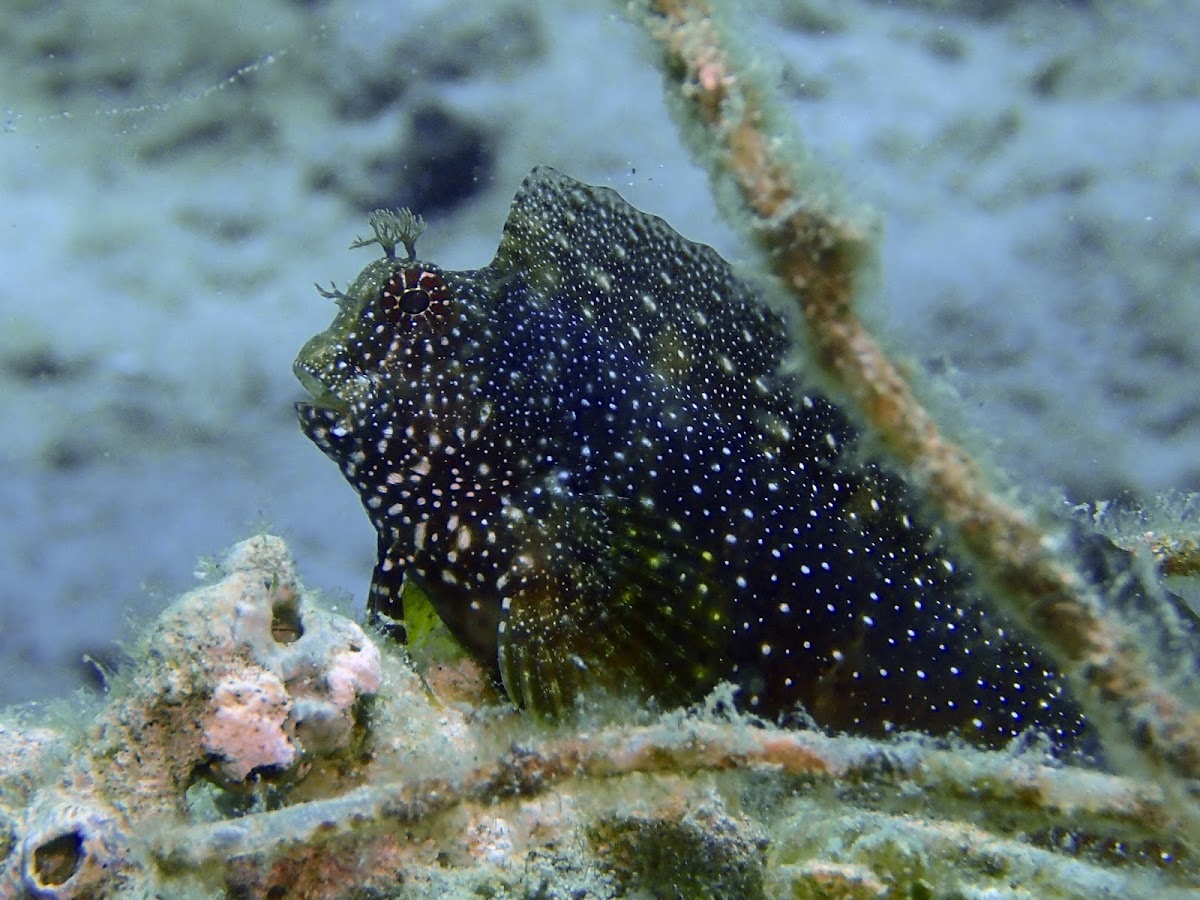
(240, 683)
(264, 746)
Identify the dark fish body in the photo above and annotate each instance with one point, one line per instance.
(589, 455)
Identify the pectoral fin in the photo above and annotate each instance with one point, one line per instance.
(608, 600)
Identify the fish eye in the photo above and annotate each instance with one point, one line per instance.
(415, 293)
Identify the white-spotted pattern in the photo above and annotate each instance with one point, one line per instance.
(593, 464)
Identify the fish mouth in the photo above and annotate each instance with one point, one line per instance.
(321, 394)
(324, 401)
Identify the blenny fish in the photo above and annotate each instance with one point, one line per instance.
(592, 456)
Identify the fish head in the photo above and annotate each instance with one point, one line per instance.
(385, 325)
(399, 398)
(383, 361)
(394, 382)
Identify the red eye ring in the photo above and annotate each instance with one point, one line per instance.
(415, 293)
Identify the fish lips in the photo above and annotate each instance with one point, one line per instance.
(322, 395)
(324, 418)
